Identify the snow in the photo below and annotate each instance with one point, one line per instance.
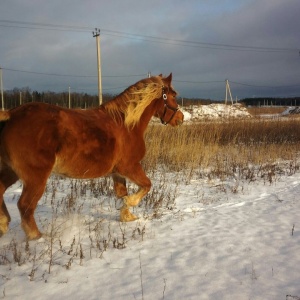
(229, 239)
(209, 238)
(215, 111)
(292, 110)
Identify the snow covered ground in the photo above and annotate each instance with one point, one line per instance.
(208, 239)
(292, 110)
(215, 111)
(215, 239)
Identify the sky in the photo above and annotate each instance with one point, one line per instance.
(49, 45)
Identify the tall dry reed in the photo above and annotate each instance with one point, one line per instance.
(222, 145)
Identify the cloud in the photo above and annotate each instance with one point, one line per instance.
(155, 36)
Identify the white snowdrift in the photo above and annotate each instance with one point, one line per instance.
(215, 111)
(291, 111)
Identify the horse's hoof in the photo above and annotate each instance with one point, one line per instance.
(3, 229)
(34, 237)
(130, 219)
(127, 216)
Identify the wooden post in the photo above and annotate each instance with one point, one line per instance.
(1, 86)
(97, 35)
(69, 97)
(227, 89)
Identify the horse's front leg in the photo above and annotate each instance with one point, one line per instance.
(137, 176)
(132, 200)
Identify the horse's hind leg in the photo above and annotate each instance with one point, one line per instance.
(31, 194)
(7, 178)
(119, 185)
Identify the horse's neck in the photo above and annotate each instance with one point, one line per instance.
(142, 125)
(116, 109)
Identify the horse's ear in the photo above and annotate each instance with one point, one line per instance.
(168, 79)
(160, 75)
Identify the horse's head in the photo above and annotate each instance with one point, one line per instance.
(132, 103)
(168, 111)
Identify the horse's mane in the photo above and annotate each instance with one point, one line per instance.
(133, 101)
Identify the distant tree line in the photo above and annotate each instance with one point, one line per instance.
(197, 101)
(16, 97)
(291, 101)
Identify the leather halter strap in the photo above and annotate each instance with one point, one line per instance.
(166, 107)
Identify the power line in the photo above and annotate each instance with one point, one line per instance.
(44, 26)
(200, 44)
(41, 28)
(69, 75)
(146, 38)
(265, 86)
(143, 75)
(198, 82)
(104, 89)
(239, 83)
(48, 74)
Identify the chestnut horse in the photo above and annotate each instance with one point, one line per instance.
(38, 139)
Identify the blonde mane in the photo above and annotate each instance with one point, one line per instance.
(134, 100)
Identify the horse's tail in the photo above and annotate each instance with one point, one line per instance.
(4, 116)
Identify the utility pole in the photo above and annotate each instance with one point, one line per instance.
(96, 34)
(1, 86)
(227, 90)
(69, 97)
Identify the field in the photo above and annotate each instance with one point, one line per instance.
(272, 110)
(220, 222)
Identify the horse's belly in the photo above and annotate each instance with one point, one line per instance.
(82, 168)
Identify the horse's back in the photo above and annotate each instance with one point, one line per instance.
(75, 143)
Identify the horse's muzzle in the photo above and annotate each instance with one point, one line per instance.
(178, 118)
(179, 122)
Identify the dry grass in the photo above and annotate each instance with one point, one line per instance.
(222, 146)
(265, 110)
